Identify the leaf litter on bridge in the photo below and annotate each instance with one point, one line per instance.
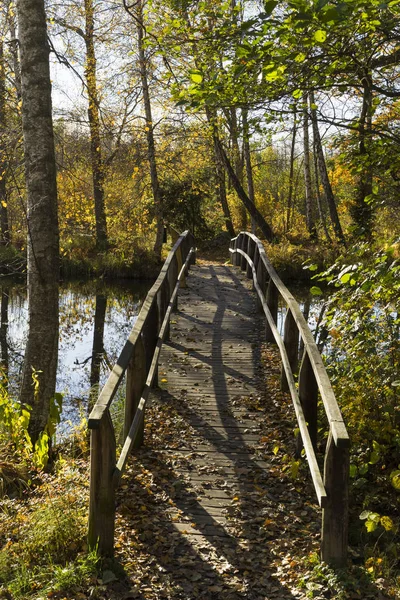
(271, 523)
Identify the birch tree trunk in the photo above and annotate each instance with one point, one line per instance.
(43, 241)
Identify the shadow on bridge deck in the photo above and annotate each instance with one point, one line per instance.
(211, 512)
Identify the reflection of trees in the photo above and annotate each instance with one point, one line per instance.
(98, 346)
(3, 333)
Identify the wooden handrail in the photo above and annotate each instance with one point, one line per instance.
(248, 252)
(139, 358)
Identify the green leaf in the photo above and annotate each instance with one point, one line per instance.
(353, 472)
(345, 278)
(331, 14)
(294, 468)
(269, 6)
(371, 525)
(315, 290)
(320, 36)
(196, 76)
(297, 94)
(395, 479)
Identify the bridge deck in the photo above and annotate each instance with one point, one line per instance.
(210, 505)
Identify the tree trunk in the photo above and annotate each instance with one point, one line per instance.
(307, 171)
(324, 173)
(151, 151)
(259, 219)
(220, 176)
(4, 226)
(43, 242)
(291, 170)
(362, 210)
(94, 126)
(14, 52)
(237, 160)
(321, 211)
(249, 168)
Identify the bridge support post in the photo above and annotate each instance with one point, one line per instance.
(291, 341)
(243, 261)
(272, 302)
(150, 336)
(251, 248)
(102, 489)
(335, 516)
(308, 395)
(238, 245)
(261, 280)
(172, 276)
(135, 382)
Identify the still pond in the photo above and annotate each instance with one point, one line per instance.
(95, 320)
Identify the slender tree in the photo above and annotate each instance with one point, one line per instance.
(94, 125)
(307, 170)
(323, 172)
(43, 244)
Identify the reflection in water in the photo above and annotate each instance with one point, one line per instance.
(94, 323)
(95, 320)
(97, 348)
(3, 333)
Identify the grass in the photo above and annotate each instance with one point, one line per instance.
(43, 535)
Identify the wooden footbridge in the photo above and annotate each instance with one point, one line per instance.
(207, 354)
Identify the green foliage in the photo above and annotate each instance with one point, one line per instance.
(363, 362)
(14, 422)
(44, 537)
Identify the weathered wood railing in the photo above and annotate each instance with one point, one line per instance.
(139, 359)
(248, 253)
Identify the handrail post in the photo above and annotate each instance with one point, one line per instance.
(243, 261)
(172, 277)
(262, 281)
(150, 335)
(272, 303)
(334, 534)
(238, 245)
(308, 395)
(181, 260)
(291, 341)
(102, 489)
(232, 246)
(135, 381)
(162, 305)
(251, 248)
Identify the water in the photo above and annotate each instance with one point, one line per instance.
(117, 307)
